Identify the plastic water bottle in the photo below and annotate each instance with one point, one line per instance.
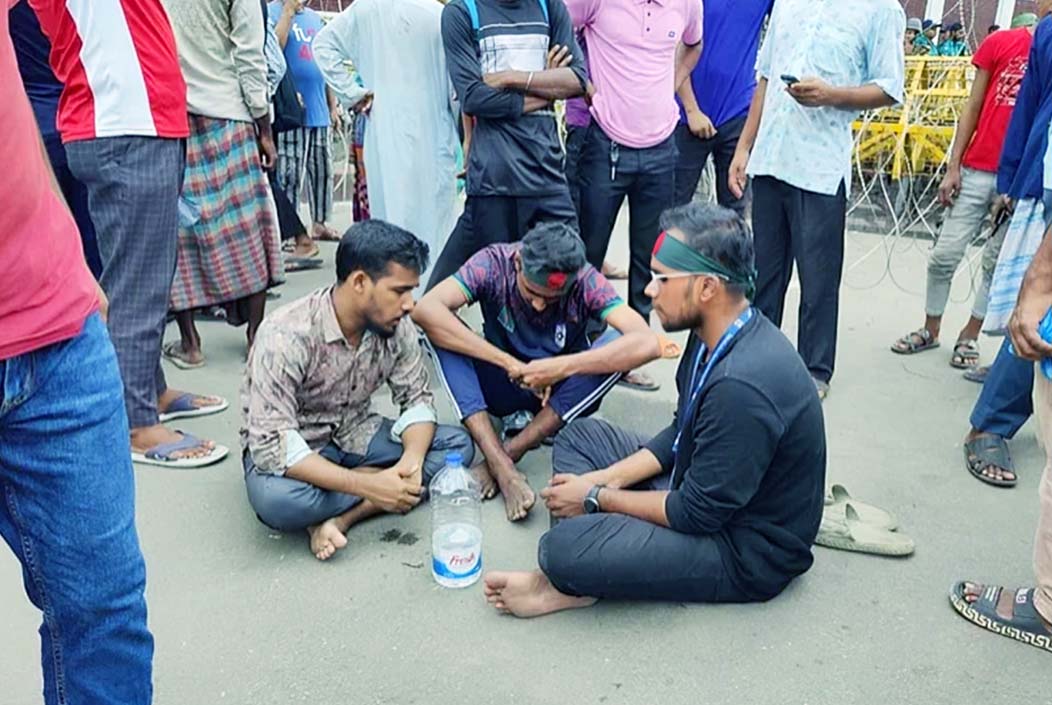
(456, 525)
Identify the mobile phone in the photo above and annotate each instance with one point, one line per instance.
(790, 79)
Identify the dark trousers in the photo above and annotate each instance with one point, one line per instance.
(488, 220)
(694, 155)
(618, 556)
(1006, 401)
(133, 191)
(575, 137)
(289, 222)
(286, 504)
(792, 225)
(76, 196)
(609, 173)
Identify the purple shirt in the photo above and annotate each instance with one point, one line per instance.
(632, 56)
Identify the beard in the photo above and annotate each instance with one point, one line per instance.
(381, 331)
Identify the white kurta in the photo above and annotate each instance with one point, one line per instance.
(411, 139)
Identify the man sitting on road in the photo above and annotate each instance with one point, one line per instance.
(538, 298)
(724, 504)
(316, 456)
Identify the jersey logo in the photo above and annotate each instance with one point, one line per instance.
(560, 335)
(506, 320)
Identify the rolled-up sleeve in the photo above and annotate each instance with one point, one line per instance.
(247, 35)
(885, 61)
(333, 48)
(409, 381)
(737, 431)
(277, 369)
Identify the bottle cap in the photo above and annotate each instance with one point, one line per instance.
(454, 459)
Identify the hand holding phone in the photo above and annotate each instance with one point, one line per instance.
(790, 79)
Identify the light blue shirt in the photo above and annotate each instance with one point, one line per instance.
(846, 44)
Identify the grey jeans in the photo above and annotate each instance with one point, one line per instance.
(964, 222)
(286, 504)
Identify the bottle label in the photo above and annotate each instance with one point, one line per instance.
(457, 565)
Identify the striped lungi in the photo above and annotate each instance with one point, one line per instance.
(233, 250)
(1022, 239)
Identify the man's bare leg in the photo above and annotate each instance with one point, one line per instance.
(329, 536)
(498, 466)
(545, 424)
(528, 594)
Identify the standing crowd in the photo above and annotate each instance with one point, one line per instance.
(165, 145)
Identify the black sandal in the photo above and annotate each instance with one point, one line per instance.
(989, 452)
(1025, 625)
(965, 355)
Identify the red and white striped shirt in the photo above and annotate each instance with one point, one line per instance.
(118, 61)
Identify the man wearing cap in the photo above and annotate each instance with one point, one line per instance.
(539, 298)
(956, 44)
(723, 505)
(924, 44)
(913, 29)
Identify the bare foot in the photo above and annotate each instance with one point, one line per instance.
(326, 539)
(518, 495)
(485, 479)
(147, 437)
(528, 594)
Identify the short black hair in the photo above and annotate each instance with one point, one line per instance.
(553, 246)
(716, 232)
(372, 245)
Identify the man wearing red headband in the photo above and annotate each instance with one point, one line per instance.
(538, 298)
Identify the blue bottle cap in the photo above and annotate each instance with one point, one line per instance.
(454, 459)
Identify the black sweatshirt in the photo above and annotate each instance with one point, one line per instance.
(752, 460)
(512, 154)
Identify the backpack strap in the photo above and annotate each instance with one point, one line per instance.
(544, 9)
(473, 12)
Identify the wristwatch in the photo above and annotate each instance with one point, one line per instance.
(591, 500)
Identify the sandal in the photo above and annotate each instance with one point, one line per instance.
(977, 374)
(173, 352)
(836, 503)
(163, 454)
(852, 534)
(1025, 624)
(915, 342)
(185, 407)
(987, 452)
(640, 381)
(965, 355)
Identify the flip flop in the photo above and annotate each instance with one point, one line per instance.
(646, 385)
(1025, 625)
(326, 235)
(290, 247)
(162, 454)
(911, 347)
(989, 451)
(302, 264)
(836, 508)
(173, 353)
(184, 408)
(977, 374)
(852, 534)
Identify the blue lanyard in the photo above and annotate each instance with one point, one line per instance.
(696, 382)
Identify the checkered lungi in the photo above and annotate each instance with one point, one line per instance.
(234, 249)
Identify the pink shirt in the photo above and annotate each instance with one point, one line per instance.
(632, 61)
(46, 290)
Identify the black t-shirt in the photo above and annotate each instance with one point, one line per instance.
(752, 460)
(512, 154)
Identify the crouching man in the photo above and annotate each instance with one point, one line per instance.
(724, 504)
(316, 456)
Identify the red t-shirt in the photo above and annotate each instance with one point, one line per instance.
(1004, 55)
(46, 290)
(120, 68)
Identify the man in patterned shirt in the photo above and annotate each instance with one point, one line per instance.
(316, 456)
(538, 298)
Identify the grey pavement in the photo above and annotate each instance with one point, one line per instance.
(244, 615)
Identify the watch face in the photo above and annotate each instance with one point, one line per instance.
(591, 505)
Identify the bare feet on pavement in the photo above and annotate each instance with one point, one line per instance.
(528, 594)
(326, 539)
(485, 480)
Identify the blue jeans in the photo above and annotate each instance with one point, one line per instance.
(1006, 401)
(68, 513)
